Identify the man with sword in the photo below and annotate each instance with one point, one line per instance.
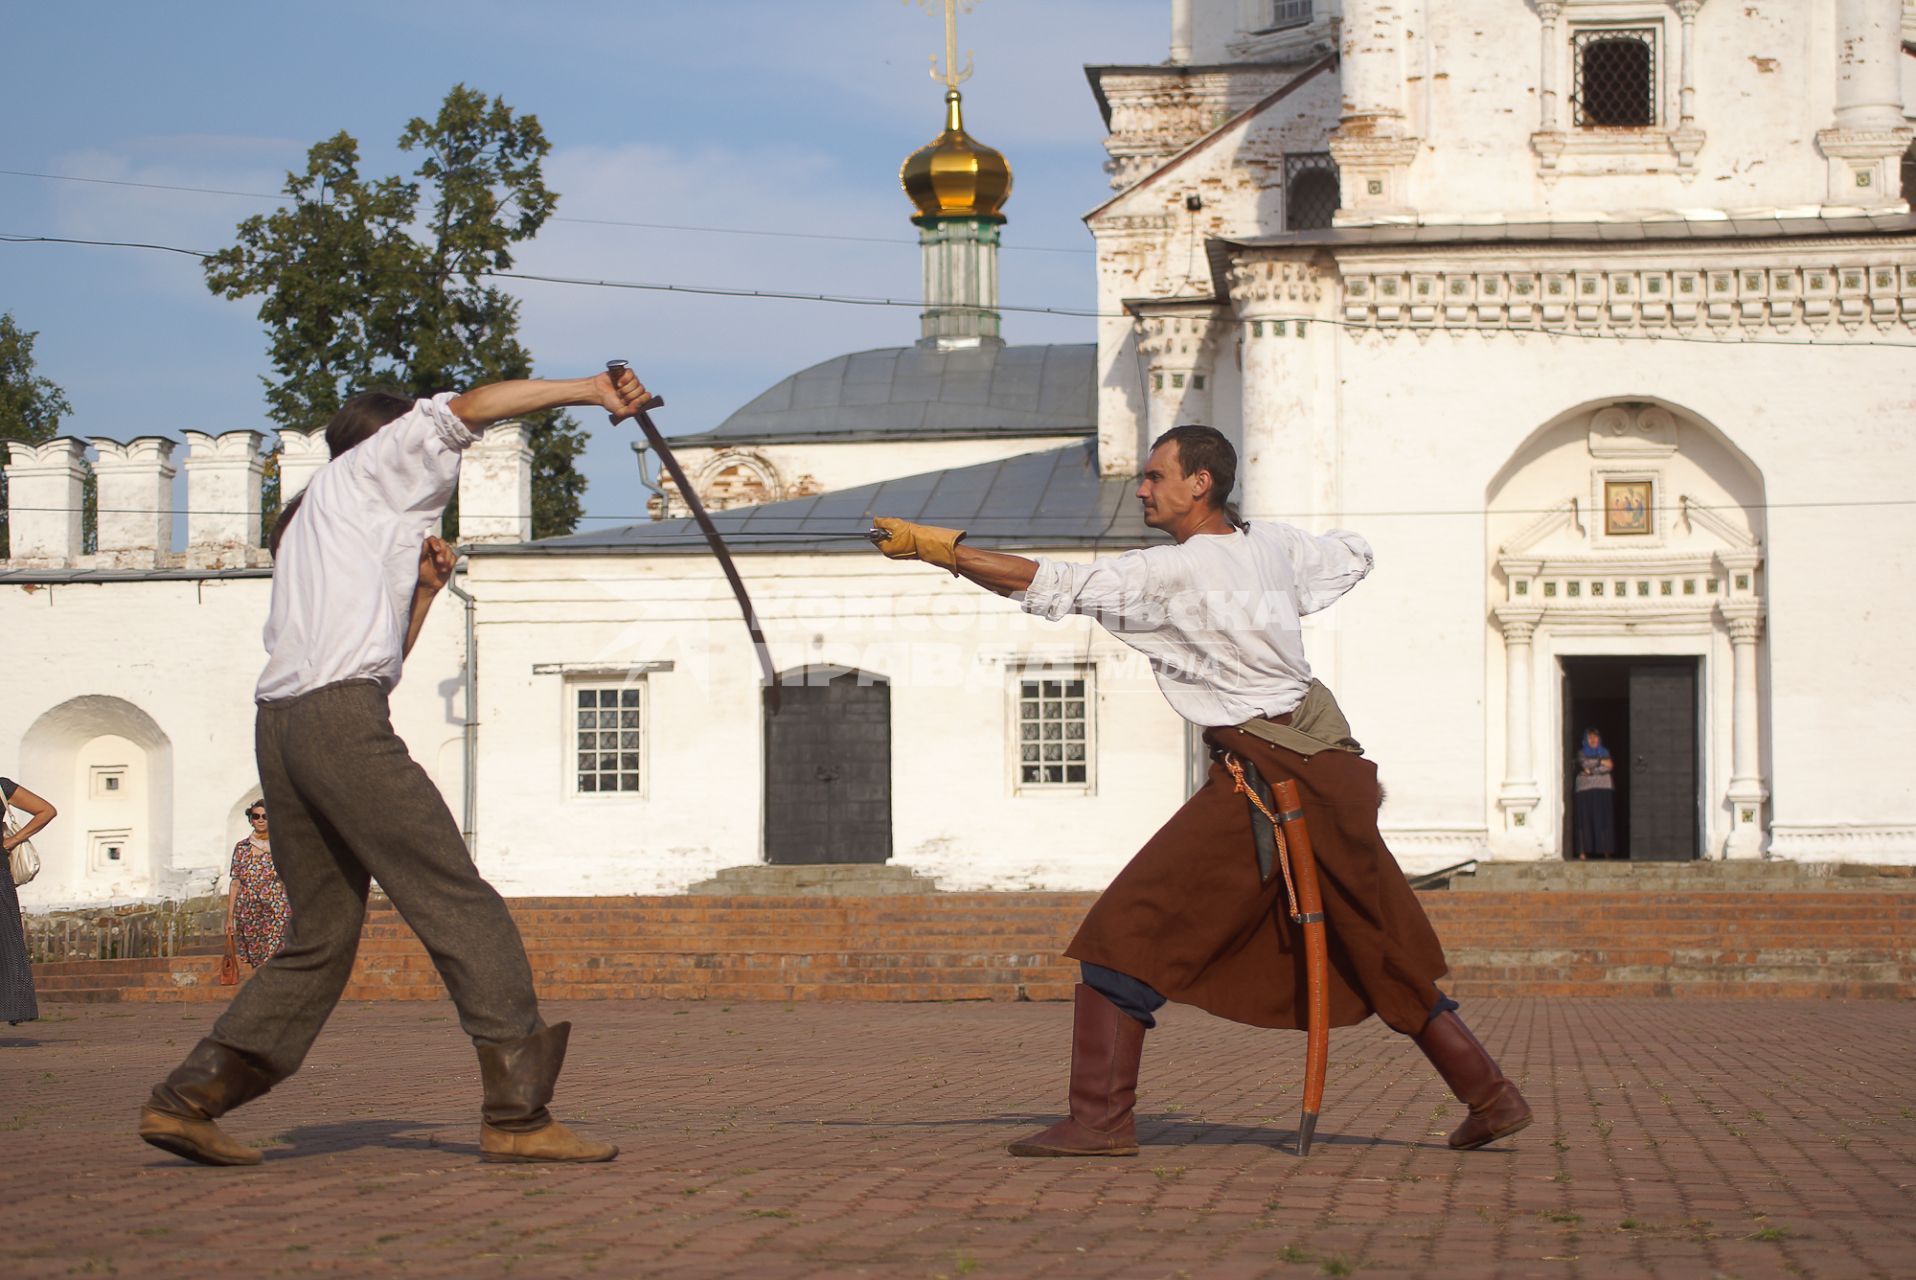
(355, 569)
(1207, 913)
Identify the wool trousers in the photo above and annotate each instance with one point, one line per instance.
(349, 806)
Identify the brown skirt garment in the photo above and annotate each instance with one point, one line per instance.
(1188, 916)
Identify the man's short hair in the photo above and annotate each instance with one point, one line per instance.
(1205, 449)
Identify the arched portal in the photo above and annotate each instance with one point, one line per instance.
(828, 768)
(108, 767)
(1624, 548)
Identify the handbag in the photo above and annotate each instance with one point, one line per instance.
(229, 965)
(22, 862)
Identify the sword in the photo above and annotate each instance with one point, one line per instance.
(1288, 846)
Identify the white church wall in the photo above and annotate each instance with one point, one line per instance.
(947, 650)
(1422, 431)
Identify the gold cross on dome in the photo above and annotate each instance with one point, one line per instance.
(951, 77)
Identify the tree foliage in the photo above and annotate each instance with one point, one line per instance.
(360, 288)
(31, 406)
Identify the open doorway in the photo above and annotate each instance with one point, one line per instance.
(1646, 711)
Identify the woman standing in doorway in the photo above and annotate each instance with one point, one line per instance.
(17, 1004)
(256, 910)
(1596, 792)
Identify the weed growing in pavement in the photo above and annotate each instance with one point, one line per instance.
(1293, 1255)
(963, 1263)
(1563, 1176)
(1630, 1224)
(692, 1191)
(771, 1213)
(1163, 1174)
(1559, 1143)
(1563, 1216)
(1770, 1235)
(1337, 1267)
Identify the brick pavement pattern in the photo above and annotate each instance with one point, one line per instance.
(1674, 1139)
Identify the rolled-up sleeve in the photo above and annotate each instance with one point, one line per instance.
(1118, 587)
(1327, 565)
(409, 461)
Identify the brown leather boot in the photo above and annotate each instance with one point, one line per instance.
(1497, 1110)
(514, 1123)
(179, 1115)
(1106, 1044)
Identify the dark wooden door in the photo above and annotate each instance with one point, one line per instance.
(828, 770)
(1663, 761)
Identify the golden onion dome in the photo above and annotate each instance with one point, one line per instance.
(956, 176)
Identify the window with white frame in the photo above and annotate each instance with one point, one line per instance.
(1055, 735)
(606, 737)
(1614, 77)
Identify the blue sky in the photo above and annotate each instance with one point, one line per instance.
(735, 114)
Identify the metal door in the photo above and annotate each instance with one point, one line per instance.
(1663, 761)
(828, 771)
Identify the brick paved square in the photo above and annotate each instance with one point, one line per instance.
(1674, 1139)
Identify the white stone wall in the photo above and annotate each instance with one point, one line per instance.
(158, 676)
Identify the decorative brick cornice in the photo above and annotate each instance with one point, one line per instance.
(1579, 293)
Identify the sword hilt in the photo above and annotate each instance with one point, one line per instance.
(617, 367)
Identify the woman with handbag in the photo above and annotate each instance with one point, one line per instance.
(256, 909)
(17, 1004)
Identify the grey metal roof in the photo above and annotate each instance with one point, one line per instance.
(1055, 498)
(917, 393)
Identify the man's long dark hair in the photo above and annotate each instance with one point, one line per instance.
(354, 424)
(1206, 449)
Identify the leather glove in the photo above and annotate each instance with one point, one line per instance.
(925, 542)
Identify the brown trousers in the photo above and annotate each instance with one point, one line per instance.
(1189, 916)
(347, 806)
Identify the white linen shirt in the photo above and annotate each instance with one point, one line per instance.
(348, 562)
(1217, 616)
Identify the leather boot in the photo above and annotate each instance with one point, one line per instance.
(179, 1115)
(514, 1123)
(1106, 1044)
(1497, 1110)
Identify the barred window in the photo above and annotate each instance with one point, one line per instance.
(1614, 73)
(606, 730)
(1287, 13)
(1310, 190)
(1054, 731)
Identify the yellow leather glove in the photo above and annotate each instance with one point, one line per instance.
(925, 542)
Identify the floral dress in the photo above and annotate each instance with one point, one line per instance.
(260, 911)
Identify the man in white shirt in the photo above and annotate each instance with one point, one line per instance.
(355, 570)
(1193, 917)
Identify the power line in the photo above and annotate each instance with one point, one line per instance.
(557, 217)
(1079, 313)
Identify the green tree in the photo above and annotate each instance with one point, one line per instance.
(30, 406)
(360, 290)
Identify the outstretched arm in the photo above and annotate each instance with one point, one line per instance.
(996, 570)
(498, 401)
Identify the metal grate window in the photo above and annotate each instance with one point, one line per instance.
(1288, 13)
(1054, 731)
(606, 737)
(1614, 73)
(1310, 190)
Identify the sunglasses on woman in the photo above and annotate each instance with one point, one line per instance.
(256, 817)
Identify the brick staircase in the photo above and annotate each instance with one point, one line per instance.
(1700, 929)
